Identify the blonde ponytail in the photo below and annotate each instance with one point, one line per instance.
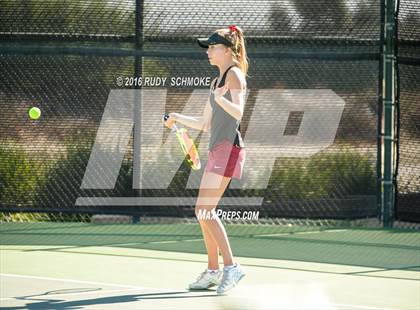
(235, 35)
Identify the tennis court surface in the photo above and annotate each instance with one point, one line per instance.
(148, 266)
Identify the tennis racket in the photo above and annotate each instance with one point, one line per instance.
(187, 145)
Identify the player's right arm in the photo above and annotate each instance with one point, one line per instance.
(200, 123)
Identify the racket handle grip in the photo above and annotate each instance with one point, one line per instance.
(165, 118)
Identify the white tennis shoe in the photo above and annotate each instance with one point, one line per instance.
(206, 280)
(231, 277)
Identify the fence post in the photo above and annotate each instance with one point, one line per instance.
(138, 72)
(388, 101)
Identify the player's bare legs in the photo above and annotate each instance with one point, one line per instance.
(211, 190)
(212, 249)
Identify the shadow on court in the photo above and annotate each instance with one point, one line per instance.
(58, 303)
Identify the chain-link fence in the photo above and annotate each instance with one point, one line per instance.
(66, 58)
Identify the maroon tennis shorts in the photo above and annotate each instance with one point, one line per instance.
(226, 159)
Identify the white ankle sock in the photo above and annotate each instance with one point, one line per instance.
(212, 270)
(230, 267)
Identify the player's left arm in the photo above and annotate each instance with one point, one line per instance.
(235, 83)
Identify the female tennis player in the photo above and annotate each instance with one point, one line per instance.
(221, 117)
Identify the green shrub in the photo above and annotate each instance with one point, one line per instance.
(62, 186)
(341, 173)
(21, 175)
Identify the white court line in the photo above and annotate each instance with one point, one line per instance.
(302, 233)
(81, 282)
(146, 242)
(175, 241)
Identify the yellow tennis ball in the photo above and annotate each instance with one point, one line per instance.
(34, 113)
